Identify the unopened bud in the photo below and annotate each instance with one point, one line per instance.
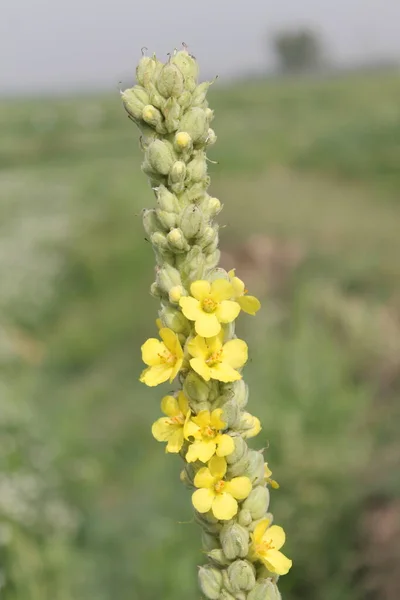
(244, 517)
(185, 99)
(152, 116)
(150, 221)
(167, 219)
(230, 413)
(242, 575)
(155, 290)
(209, 236)
(197, 168)
(248, 425)
(217, 557)
(257, 502)
(234, 540)
(168, 277)
(166, 200)
(264, 589)
(199, 94)
(209, 115)
(211, 206)
(196, 191)
(182, 141)
(175, 293)
(159, 241)
(160, 157)
(210, 581)
(155, 97)
(211, 137)
(212, 258)
(174, 319)
(225, 595)
(209, 542)
(255, 468)
(145, 70)
(196, 389)
(237, 390)
(194, 122)
(177, 176)
(170, 80)
(186, 64)
(177, 240)
(172, 112)
(192, 265)
(134, 100)
(191, 221)
(239, 451)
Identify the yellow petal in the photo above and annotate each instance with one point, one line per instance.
(183, 403)
(201, 368)
(249, 304)
(190, 429)
(170, 406)
(175, 369)
(225, 445)
(215, 421)
(231, 273)
(267, 470)
(202, 500)
(191, 307)
(217, 466)
(238, 287)
(169, 338)
(200, 289)
(175, 442)
(151, 351)
(221, 289)
(198, 348)
(277, 562)
(153, 376)
(227, 311)
(239, 487)
(224, 507)
(276, 535)
(159, 323)
(259, 530)
(224, 372)
(161, 429)
(235, 353)
(204, 478)
(203, 419)
(207, 325)
(201, 450)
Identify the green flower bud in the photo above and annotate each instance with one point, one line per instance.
(167, 277)
(244, 517)
(208, 522)
(177, 240)
(186, 64)
(212, 258)
(211, 206)
(197, 191)
(159, 241)
(185, 100)
(234, 540)
(192, 265)
(209, 542)
(238, 390)
(172, 112)
(209, 115)
(177, 176)
(225, 595)
(183, 142)
(170, 81)
(167, 219)
(196, 389)
(152, 116)
(210, 580)
(257, 502)
(197, 168)
(155, 177)
(151, 223)
(230, 413)
(208, 237)
(190, 84)
(191, 221)
(242, 575)
(174, 319)
(211, 137)
(160, 157)
(155, 98)
(194, 122)
(145, 70)
(239, 467)
(176, 293)
(155, 290)
(199, 94)
(264, 589)
(217, 557)
(239, 451)
(166, 200)
(226, 582)
(255, 469)
(134, 100)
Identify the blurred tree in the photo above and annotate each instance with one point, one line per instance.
(299, 50)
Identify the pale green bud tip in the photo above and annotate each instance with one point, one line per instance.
(235, 541)
(183, 140)
(257, 502)
(170, 81)
(210, 580)
(241, 575)
(264, 589)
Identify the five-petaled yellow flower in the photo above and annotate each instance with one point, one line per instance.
(265, 547)
(209, 306)
(214, 360)
(170, 428)
(206, 428)
(249, 304)
(218, 495)
(164, 359)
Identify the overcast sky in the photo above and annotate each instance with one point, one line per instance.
(68, 44)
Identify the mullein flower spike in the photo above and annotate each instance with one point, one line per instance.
(205, 419)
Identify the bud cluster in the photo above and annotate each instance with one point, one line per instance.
(172, 113)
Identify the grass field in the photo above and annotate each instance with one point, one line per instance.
(309, 175)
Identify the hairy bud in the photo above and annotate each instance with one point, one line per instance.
(241, 575)
(210, 580)
(234, 540)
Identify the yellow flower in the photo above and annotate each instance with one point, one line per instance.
(164, 359)
(214, 360)
(206, 428)
(218, 495)
(267, 476)
(170, 428)
(249, 304)
(265, 547)
(209, 306)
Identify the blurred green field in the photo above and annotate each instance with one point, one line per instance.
(90, 506)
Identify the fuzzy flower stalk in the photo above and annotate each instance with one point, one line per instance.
(205, 420)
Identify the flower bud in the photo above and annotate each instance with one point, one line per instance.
(155, 290)
(185, 100)
(210, 581)
(174, 319)
(237, 390)
(239, 451)
(134, 100)
(255, 468)
(182, 141)
(257, 502)
(209, 115)
(152, 116)
(155, 177)
(150, 221)
(175, 294)
(170, 80)
(239, 467)
(244, 517)
(145, 70)
(199, 94)
(159, 241)
(197, 168)
(241, 575)
(226, 582)
(211, 206)
(197, 190)
(186, 64)
(225, 595)
(168, 277)
(172, 112)
(177, 176)
(209, 235)
(192, 265)
(217, 557)
(160, 157)
(211, 137)
(230, 413)
(167, 219)
(195, 388)
(177, 240)
(155, 97)
(264, 589)
(234, 540)
(194, 122)
(209, 542)
(248, 425)
(191, 221)
(212, 258)
(211, 526)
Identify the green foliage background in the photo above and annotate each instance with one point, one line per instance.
(90, 506)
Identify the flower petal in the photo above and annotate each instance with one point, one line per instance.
(225, 445)
(204, 478)
(203, 419)
(169, 338)
(235, 353)
(200, 289)
(259, 530)
(224, 507)
(170, 406)
(198, 348)
(183, 403)
(161, 429)
(201, 450)
(190, 307)
(190, 429)
(227, 311)
(239, 487)
(207, 325)
(175, 369)
(277, 562)
(151, 351)
(201, 368)
(217, 466)
(215, 421)
(276, 535)
(221, 289)
(202, 500)
(249, 304)
(175, 442)
(153, 376)
(224, 372)
(237, 285)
